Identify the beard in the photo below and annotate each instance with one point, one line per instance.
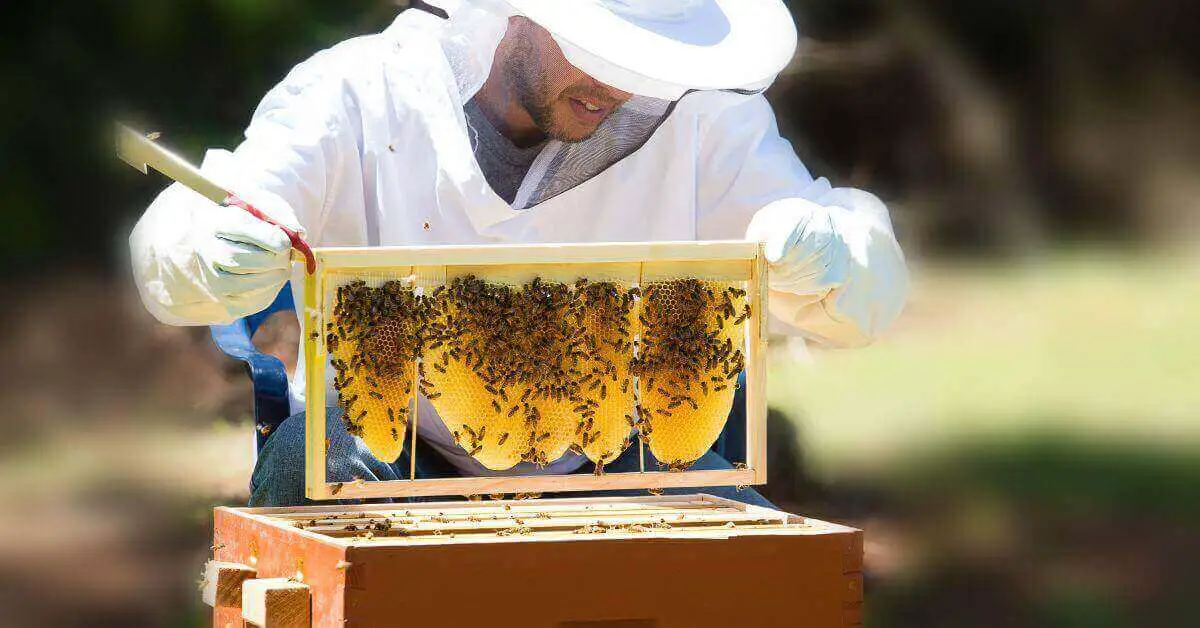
(532, 85)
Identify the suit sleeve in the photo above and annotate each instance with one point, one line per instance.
(837, 273)
(291, 158)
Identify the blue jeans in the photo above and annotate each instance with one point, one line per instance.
(278, 478)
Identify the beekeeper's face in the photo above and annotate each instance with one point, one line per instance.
(565, 103)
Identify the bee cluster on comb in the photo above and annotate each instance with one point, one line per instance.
(525, 371)
(504, 363)
(690, 358)
(375, 342)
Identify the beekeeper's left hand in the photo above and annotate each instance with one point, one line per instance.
(839, 255)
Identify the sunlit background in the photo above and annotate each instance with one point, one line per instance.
(1021, 451)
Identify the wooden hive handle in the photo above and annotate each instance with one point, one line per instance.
(276, 603)
(223, 583)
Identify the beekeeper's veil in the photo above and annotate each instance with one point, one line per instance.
(656, 48)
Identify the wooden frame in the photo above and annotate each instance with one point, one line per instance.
(731, 260)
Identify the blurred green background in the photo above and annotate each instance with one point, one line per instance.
(1021, 450)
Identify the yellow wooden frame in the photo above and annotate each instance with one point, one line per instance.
(720, 258)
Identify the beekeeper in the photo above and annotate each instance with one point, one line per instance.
(489, 122)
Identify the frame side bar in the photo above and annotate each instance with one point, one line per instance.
(315, 487)
(756, 376)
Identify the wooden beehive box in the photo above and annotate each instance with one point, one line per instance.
(633, 562)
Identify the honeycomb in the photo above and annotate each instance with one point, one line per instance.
(606, 414)
(522, 371)
(374, 341)
(503, 368)
(688, 362)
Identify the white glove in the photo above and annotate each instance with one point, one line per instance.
(837, 264)
(240, 255)
(198, 263)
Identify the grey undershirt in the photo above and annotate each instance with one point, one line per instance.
(504, 165)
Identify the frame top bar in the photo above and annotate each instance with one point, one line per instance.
(599, 253)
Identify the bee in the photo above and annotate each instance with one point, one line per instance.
(335, 489)
(503, 437)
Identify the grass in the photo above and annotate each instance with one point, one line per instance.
(1102, 347)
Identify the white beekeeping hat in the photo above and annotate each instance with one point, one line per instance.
(664, 48)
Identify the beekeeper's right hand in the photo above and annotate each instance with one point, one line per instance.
(199, 263)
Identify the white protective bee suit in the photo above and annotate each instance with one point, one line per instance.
(365, 144)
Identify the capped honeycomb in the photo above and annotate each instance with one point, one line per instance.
(504, 366)
(689, 358)
(606, 414)
(374, 340)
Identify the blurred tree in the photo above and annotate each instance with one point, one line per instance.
(1004, 123)
(192, 68)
